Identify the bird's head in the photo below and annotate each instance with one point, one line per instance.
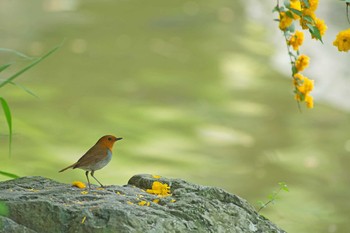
(108, 141)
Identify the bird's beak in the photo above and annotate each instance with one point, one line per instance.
(117, 139)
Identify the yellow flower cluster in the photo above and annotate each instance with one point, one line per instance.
(309, 18)
(304, 12)
(303, 88)
(302, 62)
(159, 189)
(321, 26)
(296, 40)
(342, 42)
(285, 21)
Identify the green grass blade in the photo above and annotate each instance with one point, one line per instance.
(11, 78)
(4, 67)
(11, 175)
(25, 89)
(17, 53)
(8, 117)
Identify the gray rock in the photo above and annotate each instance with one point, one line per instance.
(38, 204)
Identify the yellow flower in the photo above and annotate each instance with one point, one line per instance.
(84, 192)
(303, 84)
(129, 203)
(296, 40)
(159, 189)
(306, 87)
(79, 184)
(285, 21)
(302, 62)
(342, 40)
(298, 79)
(321, 26)
(313, 4)
(309, 101)
(297, 6)
(156, 176)
(303, 87)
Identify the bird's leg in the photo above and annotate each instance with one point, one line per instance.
(87, 177)
(92, 174)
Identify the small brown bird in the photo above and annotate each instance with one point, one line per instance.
(96, 158)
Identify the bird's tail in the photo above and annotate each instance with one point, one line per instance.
(71, 166)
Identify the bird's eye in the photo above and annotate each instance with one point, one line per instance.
(109, 139)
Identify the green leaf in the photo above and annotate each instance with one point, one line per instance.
(275, 9)
(260, 203)
(309, 19)
(289, 14)
(17, 53)
(315, 32)
(299, 13)
(4, 211)
(4, 67)
(38, 60)
(272, 196)
(11, 175)
(283, 186)
(291, 28)
(8, 117)
(306, 3)
(24, 89)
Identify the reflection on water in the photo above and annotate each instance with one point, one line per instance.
(189, 86)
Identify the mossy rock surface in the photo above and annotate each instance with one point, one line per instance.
(38, 204)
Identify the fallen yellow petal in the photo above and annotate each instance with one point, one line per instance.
(79, 184)
(156, 201)
(143, 203)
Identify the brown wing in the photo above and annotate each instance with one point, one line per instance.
(92, 156)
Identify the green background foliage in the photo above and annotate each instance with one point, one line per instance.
(191, 88)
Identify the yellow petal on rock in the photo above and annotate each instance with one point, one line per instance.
(79, 184)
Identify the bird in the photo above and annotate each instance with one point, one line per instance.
(96, 157)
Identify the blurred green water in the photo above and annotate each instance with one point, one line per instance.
(189, 86)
